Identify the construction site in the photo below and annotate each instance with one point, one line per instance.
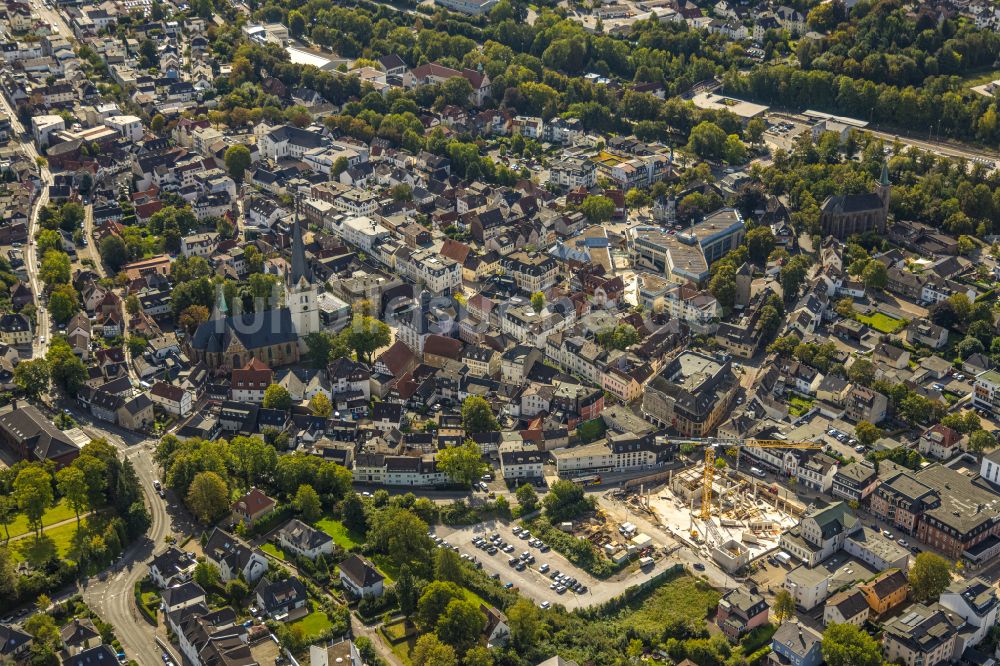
(745, 520)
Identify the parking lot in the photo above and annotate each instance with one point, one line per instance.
(531, 582)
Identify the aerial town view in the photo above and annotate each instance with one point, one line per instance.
(499, 332)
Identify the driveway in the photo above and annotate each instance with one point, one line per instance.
(530, 582)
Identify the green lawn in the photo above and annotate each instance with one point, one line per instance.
(882, 323)
(342, 536)
(386, 567)
(271, 549)
(56, 514)
(55, 542)
(314, 624)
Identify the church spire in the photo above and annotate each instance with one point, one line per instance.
(220, 310)
(299, 267)
(884, 178)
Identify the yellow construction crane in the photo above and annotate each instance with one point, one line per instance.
(710, 445)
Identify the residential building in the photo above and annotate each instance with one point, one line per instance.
(29, 435)
(740, 611)
(303, 540)
(986, 392)
(798, 644)
(282, 600)
(855, 481)
(846, 607)
(234, 557)
(360, 577)
(921, 636)
(249, 382)
(253, 506)
(976, 602)
(171, 567)
(522, 464)
(691, 394)
(865, 404)
(886, 591)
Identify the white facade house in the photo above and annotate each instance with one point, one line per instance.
(128, 126)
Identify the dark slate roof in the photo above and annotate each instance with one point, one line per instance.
(253, 330)
(360, 571)
(304, 536)
(852, 203)
(12, 638)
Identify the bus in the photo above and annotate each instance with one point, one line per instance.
(588, 480)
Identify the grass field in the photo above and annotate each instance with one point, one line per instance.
(56, 514)
(342, 536)
(58, 542)
(314, 624)
(271, 549)
(882, 323)
(684, 598)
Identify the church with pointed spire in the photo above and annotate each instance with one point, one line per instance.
(275, 336)
(843, 215)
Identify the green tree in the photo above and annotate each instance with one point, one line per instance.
(597, 209)
(525, 622)
(723, 285)
(320, 405)
(478, 656)
(527, 498)
(307, 503)
(849, 645)
(867, 433)
(207, 575)
(406, 591)
(322, 347)
(43, 629)
(755, 130)
(72, 485)
(929, 576)
(875, 275)
(296, 23)
(460, 624)
(433, 602)
(353, 511)
(63, 303)
(65, 368)
(707, 140)
(366, 335)
(734, 150)
(565, 500)
(430, 651)
(980, 441)
(477, 415)
(8, 514)
(237, 591)
(277, 397)
(538, 301)
(55, 268)
(760, 243)
(251, 460)
(157, 123)
(862, 371)
(448, 566)
(462, 464)
(48, 239)
(208, 497)
(32, 377)
(237, 161)
(114, 252)
(33, 494)
(783, 607)
(793, 275)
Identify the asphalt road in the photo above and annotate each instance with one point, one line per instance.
(113, 598)
(30, 260)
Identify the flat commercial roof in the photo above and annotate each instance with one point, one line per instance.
(708, 100)
(820, 115)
